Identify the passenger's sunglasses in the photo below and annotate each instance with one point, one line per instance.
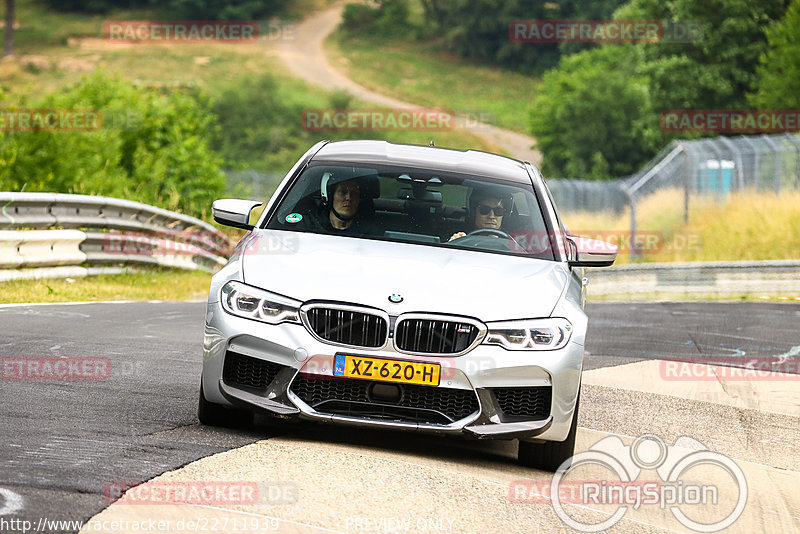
(499, 211)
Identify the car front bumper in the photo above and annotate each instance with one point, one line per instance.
(481, 371)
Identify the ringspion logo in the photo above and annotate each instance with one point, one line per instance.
(683, 478)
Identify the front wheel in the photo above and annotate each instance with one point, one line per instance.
(213, 414)
(549, 456)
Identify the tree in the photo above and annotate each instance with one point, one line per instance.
(151, 146)
(592, 116)
(718, 69)
(778, 85)
(8, 47)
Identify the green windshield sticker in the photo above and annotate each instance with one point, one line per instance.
(294, 218)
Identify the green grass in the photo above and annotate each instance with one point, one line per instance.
(56, 49)
(421, 73)
(39, 27)
(155, 284)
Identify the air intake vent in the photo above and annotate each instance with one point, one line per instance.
(524, 403)
(424, 404)
(240, 370)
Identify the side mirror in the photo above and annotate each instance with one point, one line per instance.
(234, 212)
(585, 252)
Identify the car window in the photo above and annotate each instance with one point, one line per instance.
(416, 206)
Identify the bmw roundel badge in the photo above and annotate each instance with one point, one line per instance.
(394, 297)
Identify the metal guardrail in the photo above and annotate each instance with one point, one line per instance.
(112, 231)
(771, 279)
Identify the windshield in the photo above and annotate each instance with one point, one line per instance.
(418, 206)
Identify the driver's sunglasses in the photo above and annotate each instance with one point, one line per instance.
(499, 211)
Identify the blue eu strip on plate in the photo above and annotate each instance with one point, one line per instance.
(338, 365)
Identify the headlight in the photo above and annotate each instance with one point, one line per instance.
(253, 303)
(529, 334)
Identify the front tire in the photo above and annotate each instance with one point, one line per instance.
(213, 414)
(549, 456)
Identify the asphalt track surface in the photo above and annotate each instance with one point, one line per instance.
(63, 442)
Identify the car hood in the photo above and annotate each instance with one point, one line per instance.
(489, 287)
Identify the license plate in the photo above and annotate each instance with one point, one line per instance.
(387, 370)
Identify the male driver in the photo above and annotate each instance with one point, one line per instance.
(343, 208)
(487, 211)
(346, 198)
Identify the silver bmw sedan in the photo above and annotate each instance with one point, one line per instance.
(405, 287)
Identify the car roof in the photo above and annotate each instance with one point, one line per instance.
(472, 162)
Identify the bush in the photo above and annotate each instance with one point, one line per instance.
(261, 126)
(388, 18)
(223, 9)
(152, 147)
(358, 18)
(592, 116)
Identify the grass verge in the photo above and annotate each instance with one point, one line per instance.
(151, 284)
(421, 73)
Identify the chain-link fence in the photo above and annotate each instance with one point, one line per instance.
(712, 167)
(715, 166)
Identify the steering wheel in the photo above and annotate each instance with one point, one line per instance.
(494, 232)
(490, 231)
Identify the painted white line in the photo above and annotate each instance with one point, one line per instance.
(12, 502)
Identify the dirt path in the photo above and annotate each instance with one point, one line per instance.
(305, 57)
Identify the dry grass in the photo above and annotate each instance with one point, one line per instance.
(743, 226)
(746, 226)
